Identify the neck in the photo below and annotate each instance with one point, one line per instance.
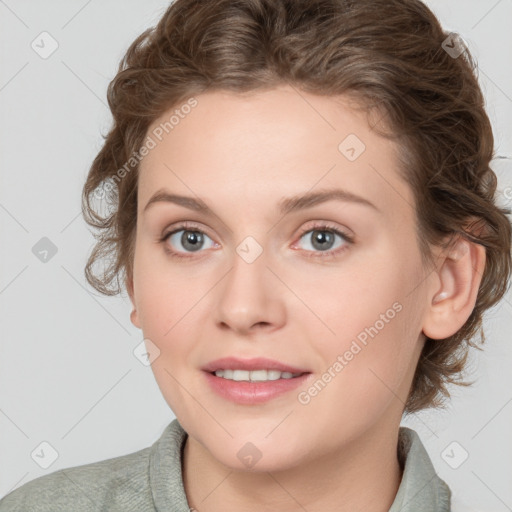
(363, 475)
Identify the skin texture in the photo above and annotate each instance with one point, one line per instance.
(241, 154)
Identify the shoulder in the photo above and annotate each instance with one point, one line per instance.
(120, 483)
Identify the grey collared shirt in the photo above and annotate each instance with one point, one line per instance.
(150, 480)
(421, 489)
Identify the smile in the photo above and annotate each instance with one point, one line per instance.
(254, 387)
(255, 375)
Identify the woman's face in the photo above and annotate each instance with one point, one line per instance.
(262, 275)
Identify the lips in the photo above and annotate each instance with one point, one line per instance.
(254, 393)
(258, 363)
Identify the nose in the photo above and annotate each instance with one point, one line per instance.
(250, 298)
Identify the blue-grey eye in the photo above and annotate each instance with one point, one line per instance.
(191, 240)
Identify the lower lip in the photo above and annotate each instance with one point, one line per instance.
(251, 393)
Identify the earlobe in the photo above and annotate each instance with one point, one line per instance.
(134, 317)
(460, 274)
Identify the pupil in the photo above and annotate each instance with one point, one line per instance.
(321, 237)
(191, 240)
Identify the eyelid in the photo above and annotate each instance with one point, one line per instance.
(182, 226)
(328, 226)
(185, 225)
(331, 254)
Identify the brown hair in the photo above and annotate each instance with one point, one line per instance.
(389, 54)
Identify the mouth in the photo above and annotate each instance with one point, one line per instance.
(261, 375)
(253, 381)
(255, 365)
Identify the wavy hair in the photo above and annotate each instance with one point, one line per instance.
(390, 55)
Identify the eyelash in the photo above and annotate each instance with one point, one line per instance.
(320, 226)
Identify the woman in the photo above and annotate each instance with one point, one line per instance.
(301, 208)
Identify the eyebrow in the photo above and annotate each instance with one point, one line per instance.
(285, 205)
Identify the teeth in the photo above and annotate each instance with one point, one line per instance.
(255, 375)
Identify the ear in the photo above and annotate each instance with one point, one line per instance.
(452, 296)
(134, 316)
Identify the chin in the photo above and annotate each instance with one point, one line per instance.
(252, 454)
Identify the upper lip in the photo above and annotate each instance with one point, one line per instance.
(257, 363)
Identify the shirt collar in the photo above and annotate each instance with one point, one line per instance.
(421, 489)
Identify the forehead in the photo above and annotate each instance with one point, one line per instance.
(256, 145)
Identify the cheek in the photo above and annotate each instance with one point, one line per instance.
(350, 298)
(163, 293)
(371, 317)
(367, 370)
(167, 303)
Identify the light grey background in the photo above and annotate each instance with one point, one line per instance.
(67, 372)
